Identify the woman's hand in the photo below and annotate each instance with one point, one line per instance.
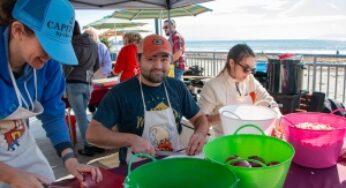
(77, 170)
(22, 179)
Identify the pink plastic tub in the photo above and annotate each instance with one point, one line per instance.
(315, 148)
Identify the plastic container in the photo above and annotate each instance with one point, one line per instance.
(315, 148)
(71, 122)
(245, 145)
(179, 172)
(234, 116)
(285, 74)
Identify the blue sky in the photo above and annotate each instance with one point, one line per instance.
(256, 19)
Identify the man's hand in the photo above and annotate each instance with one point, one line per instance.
(197, 140)
(139, 144)
(77, 170)
(214, 119)
(196, 143)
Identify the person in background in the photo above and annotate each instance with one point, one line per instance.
(147, 109)
(34, 38)
(78, 80)
(105, 60)
(178, 43)
(235, 84)
(126, 65)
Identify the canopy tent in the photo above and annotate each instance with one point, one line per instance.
(139, 4)
(113, 23)
(142, 4)
(112, 33)
(158, 14)
(131, 14)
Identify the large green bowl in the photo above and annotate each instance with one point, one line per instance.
(245, 145)
(180, 173)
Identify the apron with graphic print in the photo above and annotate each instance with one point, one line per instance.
(18, 148)
(160, 128)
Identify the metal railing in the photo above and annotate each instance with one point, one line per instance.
(323, 73)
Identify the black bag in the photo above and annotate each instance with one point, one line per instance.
(331, 104)
(194, 71)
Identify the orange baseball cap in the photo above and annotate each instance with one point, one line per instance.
(154, 44)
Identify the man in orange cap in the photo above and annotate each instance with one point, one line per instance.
(146, 110)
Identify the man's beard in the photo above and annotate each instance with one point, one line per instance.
(152, 77)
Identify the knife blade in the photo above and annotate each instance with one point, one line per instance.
(170, 153)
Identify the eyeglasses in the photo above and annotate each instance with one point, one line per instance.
(165, 27)
(247, 69)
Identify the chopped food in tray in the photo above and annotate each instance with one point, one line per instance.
(314, 126)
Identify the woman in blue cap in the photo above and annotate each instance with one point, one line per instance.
(35, 35)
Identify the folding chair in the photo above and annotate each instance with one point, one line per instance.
(311, 102)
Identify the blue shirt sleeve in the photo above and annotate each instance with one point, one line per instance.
(105, 59)
(53, 117)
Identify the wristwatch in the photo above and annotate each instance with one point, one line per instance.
(68, 156)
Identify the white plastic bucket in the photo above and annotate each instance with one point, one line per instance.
(234, 116)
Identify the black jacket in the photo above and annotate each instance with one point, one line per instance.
(87, 54)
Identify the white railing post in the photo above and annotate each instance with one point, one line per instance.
(314, 74)
(214, 64)
(344, 90)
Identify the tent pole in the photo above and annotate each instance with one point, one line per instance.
(157, 26)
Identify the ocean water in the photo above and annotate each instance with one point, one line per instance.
(273, 46)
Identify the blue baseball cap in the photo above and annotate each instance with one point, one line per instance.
(52, 22)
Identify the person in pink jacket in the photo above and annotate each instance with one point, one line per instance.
(126, 65)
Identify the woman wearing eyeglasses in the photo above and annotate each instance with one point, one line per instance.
(235, 84)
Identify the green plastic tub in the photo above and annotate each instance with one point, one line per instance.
(245, 145)
(180, 173)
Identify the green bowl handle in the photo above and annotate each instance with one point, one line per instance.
(134, 158)
(248, 125)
